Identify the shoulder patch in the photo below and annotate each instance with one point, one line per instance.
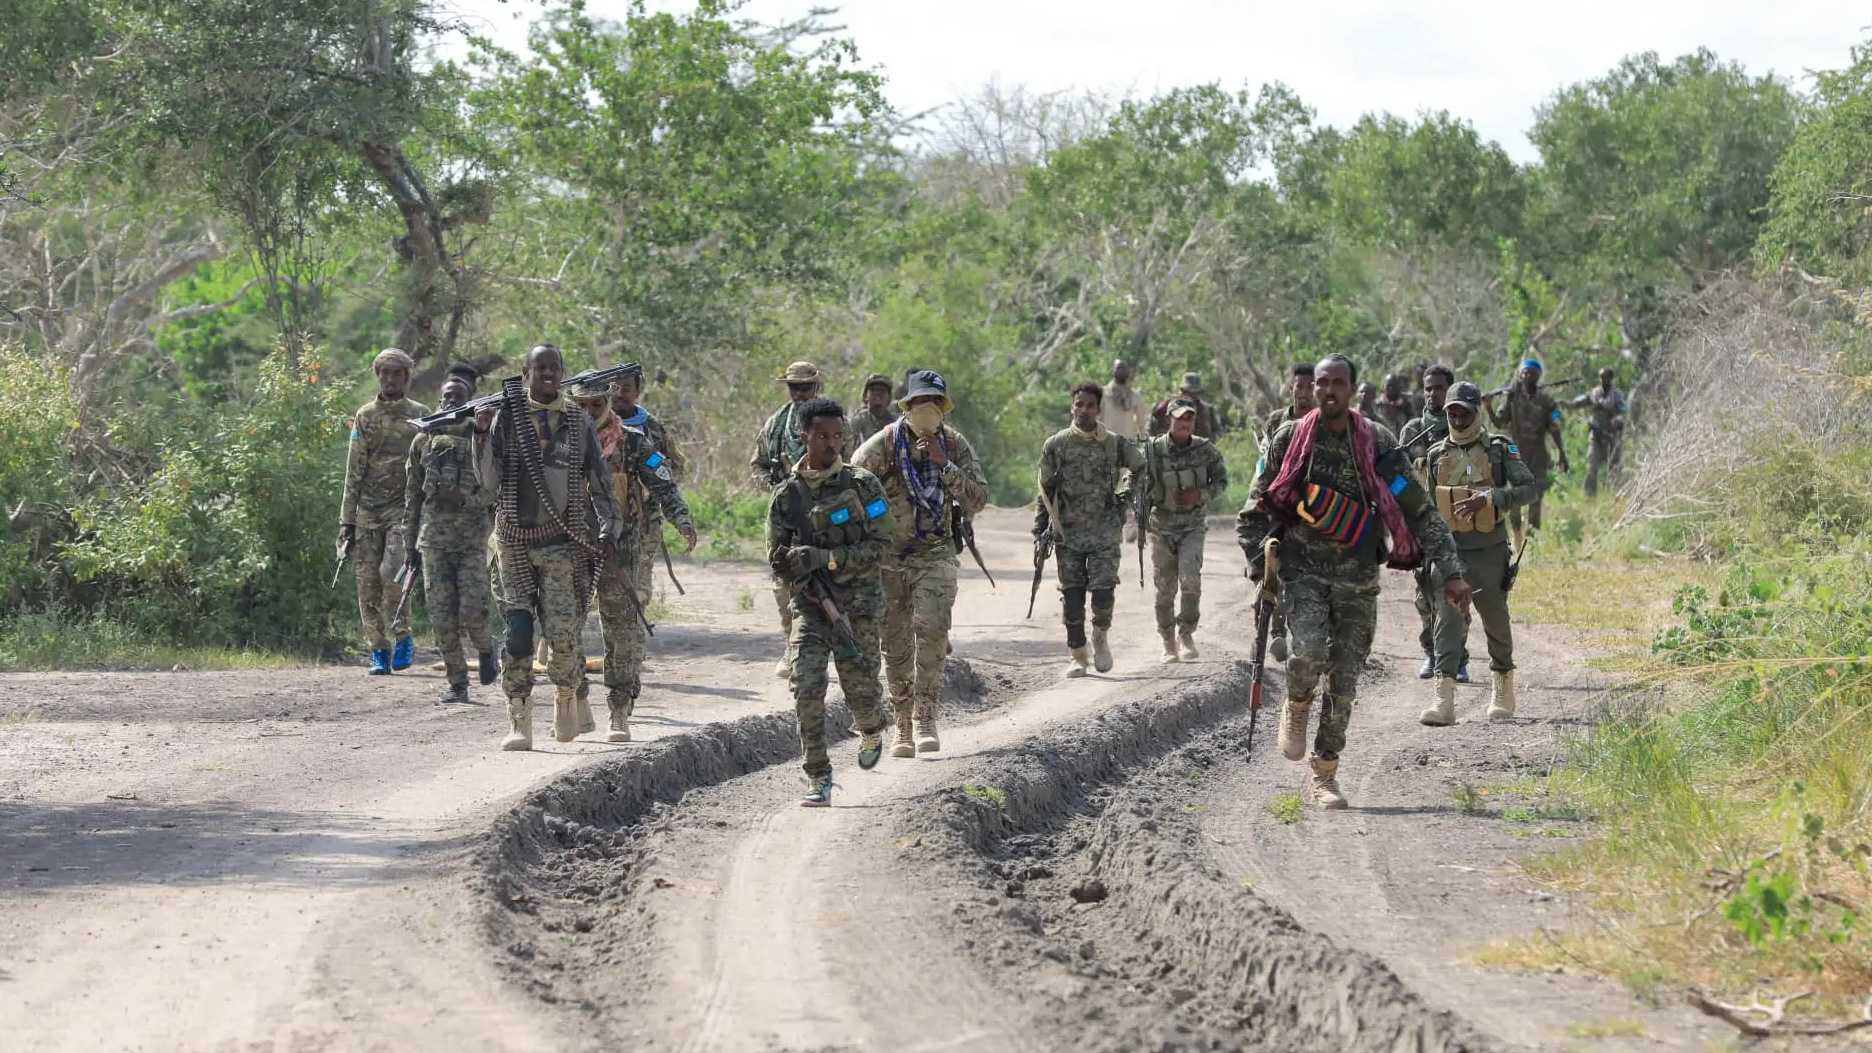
(876, 508)
(663, 472)
(1556, 414)
(655, 460)
(1398, 484)
(1516, 450)
(840, 517)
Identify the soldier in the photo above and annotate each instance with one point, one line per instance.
(1475, 477)
(1368, 401)
(1302, 393)
(1419, 435)
(1080, 470)
(777, 448)
(825, 534)
(642, 471)
(447, 517)
(879, 411)
(1183, 472)
(370, 520)
(1192, 393)
(549, 555)
(1531, 417)
(1334, 484)
(1124, 415)
(1395, 410)
(642, 513)
(1605, 428)
(926, 468)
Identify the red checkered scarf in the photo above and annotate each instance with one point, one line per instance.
(1289, 486)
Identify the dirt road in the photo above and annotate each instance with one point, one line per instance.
(321, 860)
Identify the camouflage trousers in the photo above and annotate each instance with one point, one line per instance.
(918, 600)
(377, 555)
(783, 599)
(455, 586)
(1486, 566)
(556, 614)
(1176, 567)
(1330, 625)
(1082, 571)
(1602, 454)
(624, 639)
(812, 645)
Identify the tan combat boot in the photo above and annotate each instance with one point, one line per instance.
(905, 745)
(1077, 667)
(783, 669)
(565, 715)
(1293, 728)
(620, 708)
(520, 714)
(1443, 713)
(926, 740)
(588, 721)
(1501, 705)
(1101, 650)
(1326, 784)
(1170, 651)
(1186, 638)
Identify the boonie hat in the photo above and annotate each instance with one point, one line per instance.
(801, 373)
(927, 382)
(1192, 383)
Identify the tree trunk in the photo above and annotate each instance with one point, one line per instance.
(434, 298)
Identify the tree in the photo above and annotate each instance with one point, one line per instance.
(1820, 209)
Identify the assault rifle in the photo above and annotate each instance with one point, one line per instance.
(1264, 618)
(962, 529)
(406, 577)
(1143, 515)
(344, 556)
(821, 591)
(466, 411)
(1043, 547)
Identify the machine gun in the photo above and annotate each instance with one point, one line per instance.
(466, 411)
(1264, 619)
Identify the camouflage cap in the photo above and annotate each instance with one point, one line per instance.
(801, 373)
(1465, 394)
(1182, 408)
(394, 357)
(878, 380)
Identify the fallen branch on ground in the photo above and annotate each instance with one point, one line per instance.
(1774, 1014)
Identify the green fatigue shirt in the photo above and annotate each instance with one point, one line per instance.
(1510, 484)
(381, 434)
(1170, 469)
(778, 438)
(1394, 415)
(645, 484)
(1530, 419)
(1421, 434)
(863, 425)
(491, 460)
(1082, 478)
(848, 517)
(1306, 551)
(962, 482)
(445, 505)
(1605, 410)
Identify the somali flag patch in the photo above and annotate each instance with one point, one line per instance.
(655, 461)
(1398, 485)
(876, 508)
(840, 517)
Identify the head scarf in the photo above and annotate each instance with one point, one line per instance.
(930, 505)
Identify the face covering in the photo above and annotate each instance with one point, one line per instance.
(925, 418)
(815, 476)
(1465, 436)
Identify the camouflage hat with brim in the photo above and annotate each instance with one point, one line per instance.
(878, 380)
(1182, 408)
(801, 373)
(1464, 394)
(1192, 383)
(926, 382)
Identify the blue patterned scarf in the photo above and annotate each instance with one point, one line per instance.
(924, 484)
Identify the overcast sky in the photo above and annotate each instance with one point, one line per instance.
(1488, 62)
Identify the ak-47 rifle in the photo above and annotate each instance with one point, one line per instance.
(406, 577)
(1143, 511)
(1264, 617)
(668, 565)
(1043, 547)
(1510, 386)
(466, 411)
(820, 589)
(344, 556)
(962, 531)
(1513, 570)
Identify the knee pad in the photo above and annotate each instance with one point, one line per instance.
(1104, 599)
(1074, 600)
(520, 634)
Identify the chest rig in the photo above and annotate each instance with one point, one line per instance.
(448, 472)
(1172, 481)
(1461, 472)
(837, 514)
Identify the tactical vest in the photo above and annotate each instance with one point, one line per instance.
(1169, 483)
(448, 472)
(838, 514)
(1462, 472)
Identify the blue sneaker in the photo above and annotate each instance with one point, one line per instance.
(405, 654)
(1462, 675)
(820, 796)
(380, 663)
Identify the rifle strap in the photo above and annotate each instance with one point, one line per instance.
(517, 540)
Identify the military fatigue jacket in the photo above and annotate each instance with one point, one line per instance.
(962, 483)
(861, 426)
(846, 514)
(1395, 415)
(446, 505)
(557, 430)
(643, 481)
(1606, 414)
(1306, 551)
(1530, 419)
(778, 438)
(1509, 483)
(381, 434)
(1170, 469)
(1421, 434)
(1082, 478)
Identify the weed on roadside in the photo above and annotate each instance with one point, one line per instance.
(1603, 1029)
(1288, 807)
(1468, 797)
(36, 641)
(993, 796)
(744, 600)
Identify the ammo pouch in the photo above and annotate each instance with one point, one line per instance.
(1172, 483)
(1338, 517)
(840, 519)
(442, 474)
(1460, 475)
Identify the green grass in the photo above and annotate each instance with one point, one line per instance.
(732, 524)
(36, 642)
(1468, 797)
(1603, 1029)
(1288, 807)
(993, 796)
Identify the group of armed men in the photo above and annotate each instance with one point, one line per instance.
(870, 510)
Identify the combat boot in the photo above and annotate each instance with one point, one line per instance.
(1501, 706)
(1277, 646)
(620, 709)
(1170, 650)
(1427, 670)
(906, 744)
(1326, 784)
(783, 668)
(1186, 639)
(1101, 650)
(456, 695)
(566, 715)
(1293, 728)
(1443, 713)
(1077, 667)
(587, 722)
(926, 740)
(520, 714)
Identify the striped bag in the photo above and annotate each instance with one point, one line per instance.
(1339, 517)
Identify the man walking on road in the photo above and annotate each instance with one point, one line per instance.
(447, 516)
(1419, 435)
(777, 448)
(826, 531)
(370, 518)
(926, 468)
(1183, 472)
(556, 519)
(647, 514)
(1124, 415)
(1605, 428)
(1531, 417)
(1191, 393)
(1476, 477)
(1081, 469)
(1334, 486)
(879, 410)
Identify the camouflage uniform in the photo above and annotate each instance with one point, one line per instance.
(1177, 533)
(1080, 474)
(559, 565)
(448, 515)
(1483, 545)
(920, 565)
(1330, 592)
(1530, 419)
(373, 502)
(863, 425)
(1395, 415)
(642, 471)
(779, 437)
(1605, 429)
(854, 497)
(1417, 438)
(643, 515)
